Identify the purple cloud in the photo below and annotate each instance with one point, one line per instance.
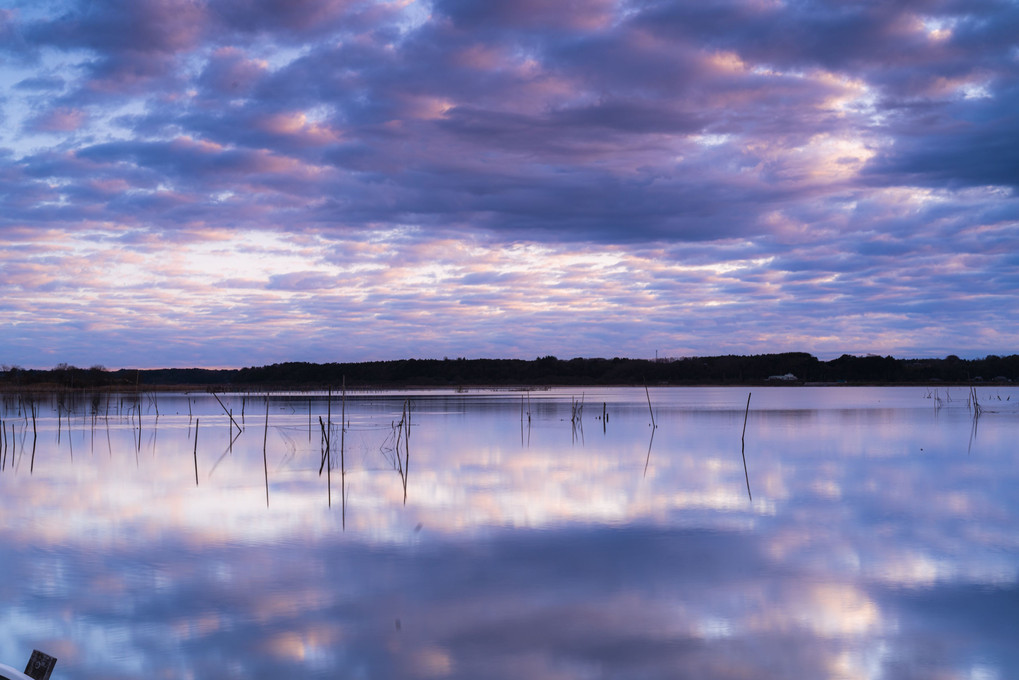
(854, 160)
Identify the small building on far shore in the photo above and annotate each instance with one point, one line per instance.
(787, 377)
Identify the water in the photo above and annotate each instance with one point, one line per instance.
(871, 534)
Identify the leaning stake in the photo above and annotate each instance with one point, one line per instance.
(228, 412)
(743, 446)
(649, 405)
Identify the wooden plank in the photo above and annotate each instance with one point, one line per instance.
(40, 665)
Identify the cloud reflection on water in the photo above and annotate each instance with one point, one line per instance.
(548, 558)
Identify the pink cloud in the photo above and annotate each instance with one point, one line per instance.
(62, 119)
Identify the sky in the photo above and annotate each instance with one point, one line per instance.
(228, 183)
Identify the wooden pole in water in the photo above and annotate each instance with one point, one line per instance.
(265, 459)
(648, 394)
(745, 414)
(35, 436)
(343, 419)
(196, 450)
(326, 455)
(343, 465)
(406, 450)
(228, 412)
(743, 446)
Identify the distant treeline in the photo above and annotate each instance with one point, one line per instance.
(787, 368)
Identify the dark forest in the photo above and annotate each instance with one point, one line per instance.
(792, 368)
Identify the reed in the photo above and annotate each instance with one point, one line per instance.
(577, 417)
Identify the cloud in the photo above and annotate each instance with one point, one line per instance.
(571, 558)
(859, 152)
(59, 120)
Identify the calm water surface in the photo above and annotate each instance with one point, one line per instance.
(872, 533)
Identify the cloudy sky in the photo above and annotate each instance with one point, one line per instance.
(241, 182)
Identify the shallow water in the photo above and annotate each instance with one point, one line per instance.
(872, 533)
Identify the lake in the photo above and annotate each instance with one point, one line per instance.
(850, 532)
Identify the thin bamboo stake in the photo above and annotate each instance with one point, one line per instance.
(743, 446)
(35, 436)
(325, 461)
(139, 448)
(343, 421)
(343, 465)
(196, 450)
(265, 439)
(745, 414)
(406, 450)
(648, 394)
(228, 412)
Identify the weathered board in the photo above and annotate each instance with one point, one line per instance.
(40, 665)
